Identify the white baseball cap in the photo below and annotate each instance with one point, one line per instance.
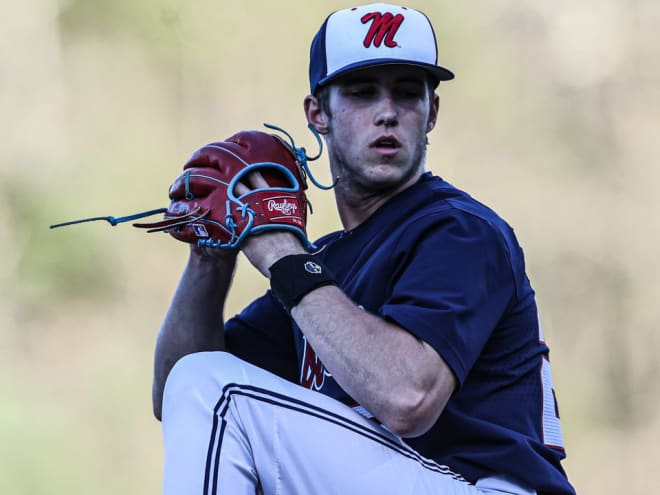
(374, 34)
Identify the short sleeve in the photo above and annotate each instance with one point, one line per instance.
(262, 335)
(453, 283)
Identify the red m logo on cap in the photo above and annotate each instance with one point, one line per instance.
(383, 27)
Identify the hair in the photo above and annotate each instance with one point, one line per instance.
(323, 94)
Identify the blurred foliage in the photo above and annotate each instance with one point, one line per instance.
(153, 22)
(52, 268)
(552, 120)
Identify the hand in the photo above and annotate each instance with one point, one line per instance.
(213, 254)
(265, 248)
(206, 207)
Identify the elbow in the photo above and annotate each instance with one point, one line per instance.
(418, 409)
(420, 405)
(414, 417)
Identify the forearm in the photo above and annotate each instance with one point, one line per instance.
(401, 380)
(194, 320)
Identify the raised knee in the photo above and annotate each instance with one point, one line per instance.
(197, 372)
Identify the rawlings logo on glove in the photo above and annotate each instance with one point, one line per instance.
(209, 205)
(285, 208)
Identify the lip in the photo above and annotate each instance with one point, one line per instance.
(386, 150)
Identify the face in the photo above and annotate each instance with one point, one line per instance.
(376, 128)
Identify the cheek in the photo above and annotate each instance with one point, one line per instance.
(353, 125)
(343, 123)
(344, 116)
(420, 123)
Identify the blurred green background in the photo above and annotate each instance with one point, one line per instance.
(553, 120)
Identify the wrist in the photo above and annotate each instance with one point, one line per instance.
(212, 257)
(265, 249)
(294, 276)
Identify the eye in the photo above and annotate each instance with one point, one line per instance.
(410, 92)
(361, 91)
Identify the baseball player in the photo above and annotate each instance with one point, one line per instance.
(402, 354)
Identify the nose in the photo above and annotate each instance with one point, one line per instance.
(386, 112)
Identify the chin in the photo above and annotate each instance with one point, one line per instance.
(389, 175)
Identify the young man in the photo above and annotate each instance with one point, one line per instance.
(421, 370)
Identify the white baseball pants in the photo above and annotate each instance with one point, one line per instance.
(230, 428)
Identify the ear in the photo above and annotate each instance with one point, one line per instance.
(433, 113)
(315, 115)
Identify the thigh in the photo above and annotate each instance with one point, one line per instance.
(294, 440)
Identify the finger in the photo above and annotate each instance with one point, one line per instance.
(214, 253)
(241, 188)
(257, 180)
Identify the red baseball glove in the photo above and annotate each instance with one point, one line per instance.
(206, 209)
(210, 208)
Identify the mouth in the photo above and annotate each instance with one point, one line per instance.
(386, 143)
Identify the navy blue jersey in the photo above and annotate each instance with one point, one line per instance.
(450, 271)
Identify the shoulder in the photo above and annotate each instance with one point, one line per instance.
(441, 203)
(452, 217)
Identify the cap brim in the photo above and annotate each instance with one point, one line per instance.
(437, 72)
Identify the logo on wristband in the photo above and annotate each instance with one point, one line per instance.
(313, 268)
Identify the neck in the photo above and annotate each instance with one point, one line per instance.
(355, 206)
